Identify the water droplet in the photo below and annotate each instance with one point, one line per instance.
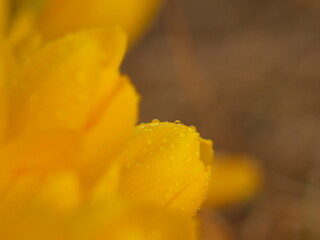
(188, 145)
(161, 148)
(171, 157)
(172, 145)
(147, 166)
(178, 122)
(193, 128)
(141, 126)
(155, 122)
(165, 140)
(149, 141)
(183, 135)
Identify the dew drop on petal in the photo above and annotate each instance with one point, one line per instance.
(183, 135)
(155, 122)
(193, 128)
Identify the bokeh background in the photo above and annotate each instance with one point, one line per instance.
(247, 74)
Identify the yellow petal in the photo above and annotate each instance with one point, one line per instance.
(114, 220)
(23, 37)
(167, 164)
(119, 220)
(150, 223)
(73, 15)
(59, 86)
(107, 137)
(3, 94)
(60, 192)
(37, 155)
(4, 11)
(57, 192)
(235, 178)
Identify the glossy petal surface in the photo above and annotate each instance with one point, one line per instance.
(164, 166)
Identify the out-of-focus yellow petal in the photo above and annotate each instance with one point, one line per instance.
(119, 220)
(60, 87)
(61, 16)
(165, 165)
(106, 138)
(235, 178)
(23, 37)
(74, 83)
(150, 223)
(3, 94)
(61, 192)
(112, 219)
(4, 10)
(37, 155)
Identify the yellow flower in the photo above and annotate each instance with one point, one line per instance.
(235, 178)
(167, 164)
(66, 115)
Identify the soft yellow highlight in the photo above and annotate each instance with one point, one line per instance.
(235, 178)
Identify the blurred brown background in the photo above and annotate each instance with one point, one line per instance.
(247, 74)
